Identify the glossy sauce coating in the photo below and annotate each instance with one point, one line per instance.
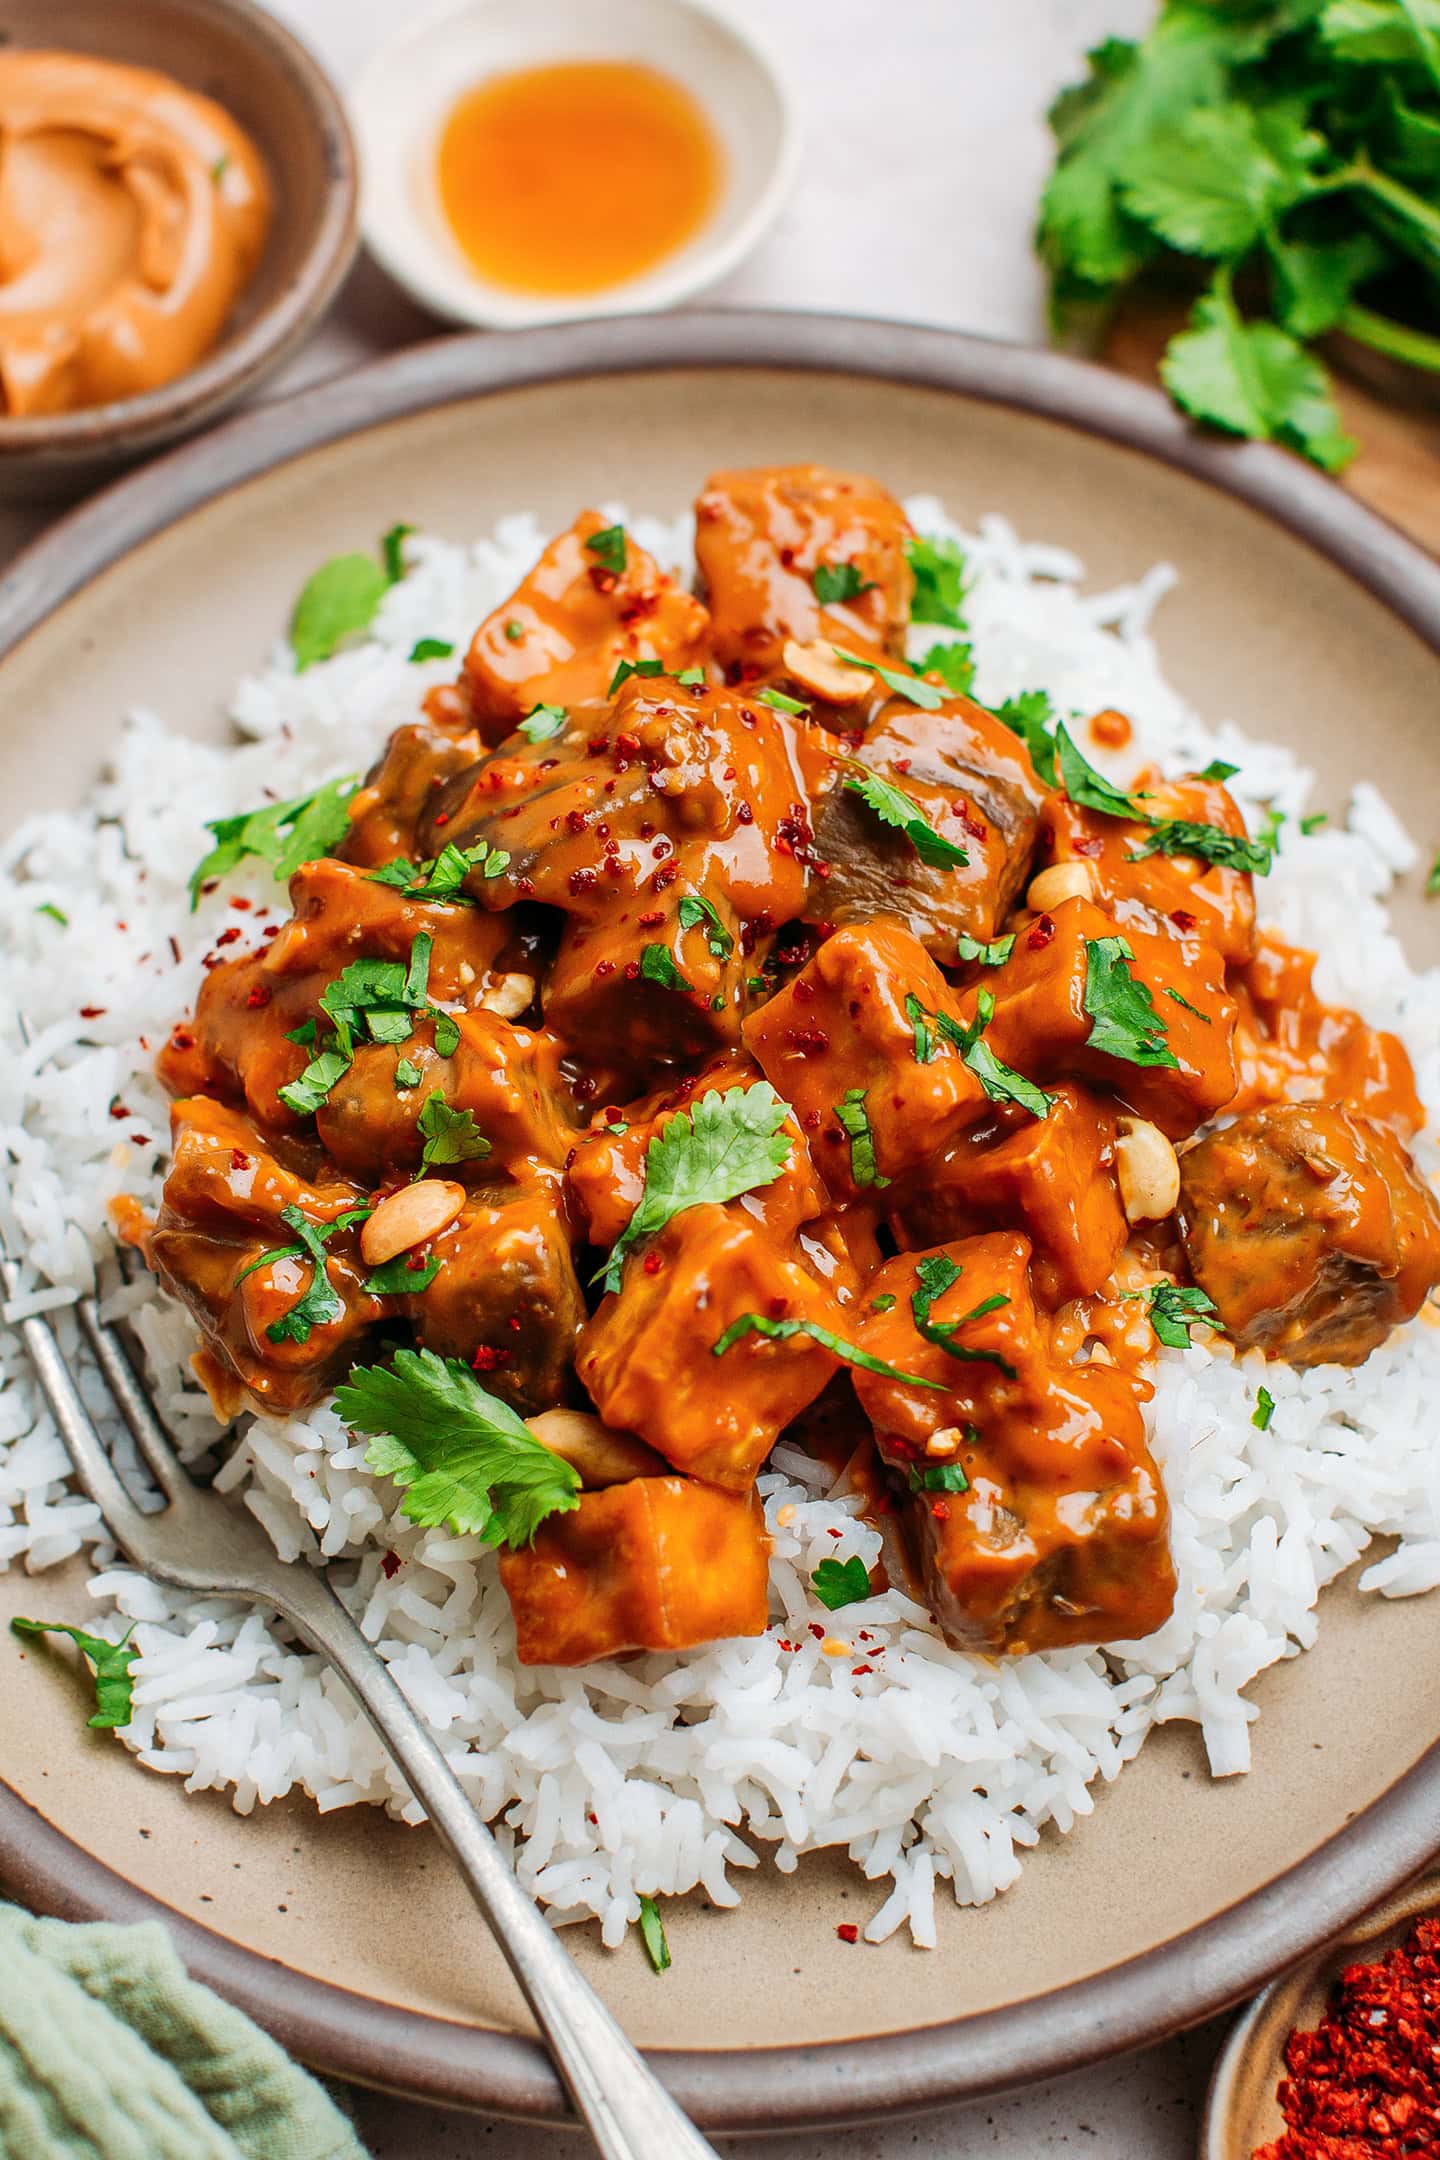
(673, 905)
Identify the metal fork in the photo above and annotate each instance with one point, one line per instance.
(196, 1541)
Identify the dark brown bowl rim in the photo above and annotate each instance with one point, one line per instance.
(1129, 2005)
(227, 373)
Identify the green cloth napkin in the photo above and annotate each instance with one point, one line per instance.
(108, 2051)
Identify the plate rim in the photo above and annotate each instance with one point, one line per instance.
(1124, 2006)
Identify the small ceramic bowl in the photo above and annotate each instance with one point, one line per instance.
(238, 54)
(407, 91)
(1241, 2111)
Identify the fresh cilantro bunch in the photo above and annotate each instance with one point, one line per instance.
(1291, 150)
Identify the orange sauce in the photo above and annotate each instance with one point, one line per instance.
(572, 178)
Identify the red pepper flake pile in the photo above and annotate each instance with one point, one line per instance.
(1365, 2085)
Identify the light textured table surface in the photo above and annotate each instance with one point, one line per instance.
(925, 151)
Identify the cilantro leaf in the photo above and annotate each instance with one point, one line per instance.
(937, 1477)
(953, 663)
(431, 648)
(1315, 281)
(652, 1934)
(658, 966)
(284, 834)
(56, 915)
(1232, 851)
(993, 954)
(544, 721)
(305, 1095)
(1000, 1082)
(463, 1456)
(919, 1019)
(898, 681)
(934, 1276)
(1217, 769)
(938, 566)
(407, 1075)
(1031, 716)
(839, 581)
(338, 601)
(443, 878)
(692, 678)
(319, 1303)
(627, 668)
(1253, 378)
(694, 911)
(841, 1582)
(1124, 1021)
(854, 1119)
(397, 1278)
(893, 807)
(608, 548)
(849, 1353)
(392, 555)
(779, 702)
(729, 1143)
(1215, 183)
(1264, 1410)
(1175, 994)
(1084, 785)
(112, 1664)
(451, 1136)
(1176, 1312)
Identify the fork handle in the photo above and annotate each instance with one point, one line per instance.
(630, 2114)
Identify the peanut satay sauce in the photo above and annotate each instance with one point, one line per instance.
(133, 212)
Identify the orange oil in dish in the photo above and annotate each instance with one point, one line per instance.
(575, 177)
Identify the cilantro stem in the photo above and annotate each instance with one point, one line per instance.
(1396, 339)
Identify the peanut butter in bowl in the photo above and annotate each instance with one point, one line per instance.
(133, 213)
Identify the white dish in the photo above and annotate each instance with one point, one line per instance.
(401, 102)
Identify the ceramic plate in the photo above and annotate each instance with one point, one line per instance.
(1299, 615)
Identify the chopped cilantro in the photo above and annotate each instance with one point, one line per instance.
(696, 910)
(1217, 769)
(838, 582)
(406, 1074)
(1175, 994)
(462, 1455)
(48, 907)
(1000, 1082)
(652, 1934)
(219, 169)
(319, 1302)
(939, 570)
(658, 966)
(337, 602)
(919, 1019)
(111, 1662)
(937, 1477)
(691, 678)
(1231, 851)
(786, 1330)
(431, 648)
(841, 1582)
(627, 668)
(934, 1277)
(893, 807)
(284, 834)
(1175, 1312)
(1031, 716)
(397, 1278)
(444, 878)
(447, 1033)
(1124, 1022)
(886, 1302)
(1084, 785)
(995, 954)
(1313, 823)
(898, 681)
(729, 1143)
(543, 721)
(855, 1119)
(392, 546)
(608, 548)
(1264, 1410)
(780, 702)
(514, 629)
(451, 1136)
(953, 663)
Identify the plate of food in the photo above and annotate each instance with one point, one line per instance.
(750, 995)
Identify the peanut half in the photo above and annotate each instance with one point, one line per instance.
(408, 1217)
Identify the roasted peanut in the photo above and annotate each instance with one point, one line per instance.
(1149, 1170)
(408, 1217)
(816, 668)
(508, 996)
(1062, 881)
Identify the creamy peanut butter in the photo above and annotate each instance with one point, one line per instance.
(132, 213)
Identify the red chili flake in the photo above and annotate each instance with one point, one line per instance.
(940, 1509)
(241, 905)
(664, 876)
(807, 1039)
(211, 885)
(1041, 934)
(976, 827)
(141, 1139)
(858, 1672)
(604, 968)
(119, 1110)
(1184, 920)
(584, 1089)
(835, 1533)
(575, 821)
(778, 1306)
(604, 581)
(239, 1160)
(811, 1121)
(652, 1263)
(662, 848)
(1365, 2084)
(489, 1358)
(848, 1932)
(390, 1565)
(1088, 847)
(258, 997)
(182, 1039)
(583, 881)
(803, 993)
(174, 944)
(442, 817)
(744, 815)
(902, 764)
(525, 887)
(632, 971)
(652, 922)
(613, 866)
(92, 1012)
(817, 1631)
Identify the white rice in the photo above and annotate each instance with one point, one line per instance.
(664, 1773)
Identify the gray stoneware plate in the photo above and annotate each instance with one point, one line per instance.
(1301, 616)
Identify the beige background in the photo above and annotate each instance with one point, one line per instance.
(925, 151)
